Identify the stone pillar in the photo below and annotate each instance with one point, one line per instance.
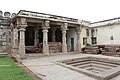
(15, 41)
(7, 39)
(78, 45)
(45, 37)
(64, 31)
(36, 40)
(53, 34)
(21, 24)
(22, 42)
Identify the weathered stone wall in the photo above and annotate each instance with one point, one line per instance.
(5, 30)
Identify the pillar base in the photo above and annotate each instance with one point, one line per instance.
(22, 56)
(64, 48)
(78, 52)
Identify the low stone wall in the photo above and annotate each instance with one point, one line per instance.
(55, 47)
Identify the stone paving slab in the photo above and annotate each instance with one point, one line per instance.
(47, 69)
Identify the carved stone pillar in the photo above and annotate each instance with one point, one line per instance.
(78, 45)
(36, 40)
(22, 42)
(53, 34)
(45, 37)
(64, 31)
(15, 41)
(21, 24)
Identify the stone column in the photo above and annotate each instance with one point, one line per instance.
(64, 31)
(22, 42)
(21, 24)
(36, 40)
(45, 37)
(78, 45)
(53, 34)
(7, 39)
(15, 41)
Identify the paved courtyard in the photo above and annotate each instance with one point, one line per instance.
(46, 67)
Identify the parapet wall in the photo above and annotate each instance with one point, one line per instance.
(7, 14)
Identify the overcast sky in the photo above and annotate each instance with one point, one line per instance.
(89, 10)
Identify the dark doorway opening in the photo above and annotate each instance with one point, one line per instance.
(29, 36)
(40, 36)
(72, 44)
(58, 35)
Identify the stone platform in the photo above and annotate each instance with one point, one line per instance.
(46, 68)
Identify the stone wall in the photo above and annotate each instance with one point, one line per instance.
(5, 30)
(108, 34)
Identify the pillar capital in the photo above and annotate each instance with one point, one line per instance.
(45, 28)
(22, 25)
(64, 27)
(21, 22)
(45, 25)
(22, 29)
(78, 30)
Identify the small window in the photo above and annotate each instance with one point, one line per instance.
(94, 40)
(87, 32)
(111, 38)
(92, 32)
(84, 40)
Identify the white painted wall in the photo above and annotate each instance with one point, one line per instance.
(104, 34)
(83, 34)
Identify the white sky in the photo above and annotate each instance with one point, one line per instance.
(89, 10)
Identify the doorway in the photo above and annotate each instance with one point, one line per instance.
(72, 44)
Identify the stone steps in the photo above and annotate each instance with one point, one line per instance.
(94, 65)
(77, 61)
(100, 67)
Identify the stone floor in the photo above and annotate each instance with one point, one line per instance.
(46, 68)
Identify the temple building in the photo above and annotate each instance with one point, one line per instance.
(34, 32)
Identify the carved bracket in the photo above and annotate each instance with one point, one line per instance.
(78, 29)
(45, 25)
(21, 23)
(64, 27)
